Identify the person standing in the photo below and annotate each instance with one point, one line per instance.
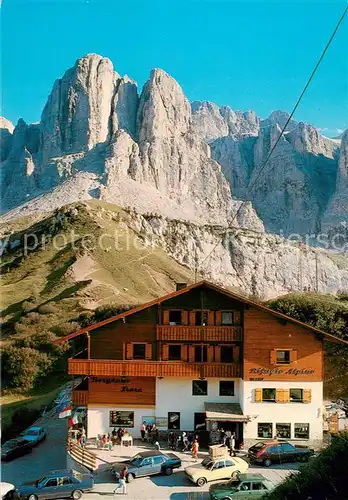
(143, 431)
(195, 449)
(122, 481)
(184, 441)
(233, 445)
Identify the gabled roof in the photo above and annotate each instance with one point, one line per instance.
(216, 288)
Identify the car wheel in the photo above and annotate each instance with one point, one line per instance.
(227, 498)
(201, 481)
(235, 474)
(130, 478)
(168, 471)
(76, 494)
(267, 462)
(32, 497)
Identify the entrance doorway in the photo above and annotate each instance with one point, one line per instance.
(234, 427)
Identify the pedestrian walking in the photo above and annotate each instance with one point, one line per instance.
(122, 481)
(195, 447)
(157, 446)
(184, 441)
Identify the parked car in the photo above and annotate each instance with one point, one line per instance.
(15, 448)
(274, 451)
(218, 468)
(148, 463)
(7, 491)
(57, 484)
(34, 434)
(245, 487)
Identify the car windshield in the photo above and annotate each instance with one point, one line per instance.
(259, 446)
(31, 432)
(233, 483)
(10, 444)
(208, 465)
(136, 460)
(43, 478)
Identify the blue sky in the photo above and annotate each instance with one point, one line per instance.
(247, 54)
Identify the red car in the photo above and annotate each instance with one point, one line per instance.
(268, 452)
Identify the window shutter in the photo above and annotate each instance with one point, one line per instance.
(148, 351)
(184, 317)
(218, 318)
(236, 353)
(293, 355)
(129, 351)
(191, 351)
(217, 354)
(307, 395)
(279, 395)
(165, 352)
(166, 317)
(211, 318)
(273, 357)
(192, 315)
(258, 395)
(210, 353)
(236, 318)
(286, 395)
(184, 352)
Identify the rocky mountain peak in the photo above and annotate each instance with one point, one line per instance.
(163, 109)
(280, 118)
(307, 139)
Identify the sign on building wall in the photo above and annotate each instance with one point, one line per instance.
(161, 422)
(122, 390)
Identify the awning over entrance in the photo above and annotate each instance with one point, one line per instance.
(228, 412)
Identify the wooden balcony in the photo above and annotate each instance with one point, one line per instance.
(79, 398)
(115, 368)
(199, 333)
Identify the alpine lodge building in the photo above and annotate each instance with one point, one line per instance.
(200, 359)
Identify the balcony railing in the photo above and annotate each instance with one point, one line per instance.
(115, 368)
(200, 333)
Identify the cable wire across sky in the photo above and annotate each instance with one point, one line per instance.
(263, 166)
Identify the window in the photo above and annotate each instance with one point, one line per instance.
(201, 318)
(275, 450)
(264, 430)
(201, 353)
(296, 395)
(139, 351)
(258, 487)
(62, 481)
(158, 460)
(245, 486)
(283, 357)
(174, 352)
(229, 463)
(301, 431)
(173, 420)
(146, 461)
(227, 318)
(226, 354)
(122, 418)
(219, 465)
(286, 447)
(199, 421)
(269, 395)
(199, 387)
(226, 388)
(283, 431)
(175, 317)
(51, 482)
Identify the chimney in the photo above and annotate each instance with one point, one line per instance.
(180, 286)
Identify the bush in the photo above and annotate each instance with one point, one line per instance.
(66, 328)
(47, 309)
(22, 366)
(43, 342)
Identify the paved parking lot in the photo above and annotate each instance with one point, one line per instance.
(51, 455)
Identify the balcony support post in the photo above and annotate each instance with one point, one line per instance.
(88, 345)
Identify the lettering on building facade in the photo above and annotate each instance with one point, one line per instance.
(279, 371)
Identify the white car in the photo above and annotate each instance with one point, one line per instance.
(212, 469)
(7, 491)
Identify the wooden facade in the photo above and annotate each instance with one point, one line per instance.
(265, 335)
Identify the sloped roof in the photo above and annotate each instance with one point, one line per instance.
(229, 412)
(199, 284)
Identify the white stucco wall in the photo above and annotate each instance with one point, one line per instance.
(98, 419)
(283, 412)
(175, 394)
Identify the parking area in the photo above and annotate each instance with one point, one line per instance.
(51, 454)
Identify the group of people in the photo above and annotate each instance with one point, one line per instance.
(107, 441)
(228, 438)
(149, 432)
(184, 442)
